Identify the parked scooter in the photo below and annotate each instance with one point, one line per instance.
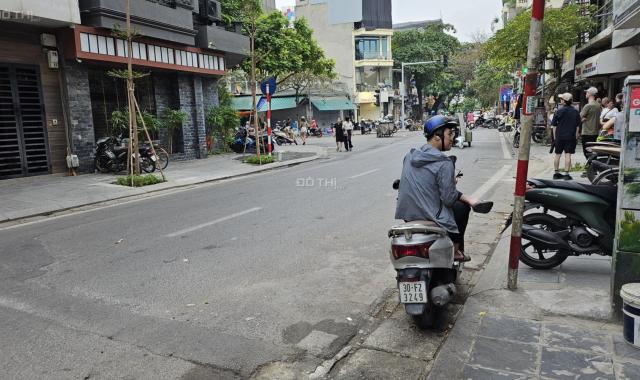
(582, 222)
(111, 156)
(281, 138)
(365, 127)
(423, 256)
(243, 143)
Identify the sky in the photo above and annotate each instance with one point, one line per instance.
(467, 16)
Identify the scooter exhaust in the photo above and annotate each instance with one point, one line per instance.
(441, 295)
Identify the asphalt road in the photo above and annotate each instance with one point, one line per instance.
(216, 280)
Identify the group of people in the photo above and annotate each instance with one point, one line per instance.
(304, 127)
(596, 121)
(343, 130)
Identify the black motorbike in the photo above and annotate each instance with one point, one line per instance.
(111, 156)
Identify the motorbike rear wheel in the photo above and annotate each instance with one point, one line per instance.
(428, 319)
(147, 165)
(607, 178)
(101, 163)
(535, 257)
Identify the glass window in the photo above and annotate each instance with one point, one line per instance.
(111, 48)
(372, 48)
(158, 53)
(136, 50)
(152, 53)
(93, 43)
(171, 55)
(385, 47)
(178, 58)
(121, 49)
(102, 45)
(143, 51)
(84, 42)
(165, 55)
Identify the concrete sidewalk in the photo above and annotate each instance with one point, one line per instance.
(558, 324)
(41, 195)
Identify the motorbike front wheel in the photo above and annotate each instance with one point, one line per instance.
(538, 258)
(516, 141)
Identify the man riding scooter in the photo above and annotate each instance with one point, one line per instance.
(427, 189)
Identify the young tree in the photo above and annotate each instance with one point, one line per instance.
(428, 45)
(562, 26)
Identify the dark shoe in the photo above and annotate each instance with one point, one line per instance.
(461, 257)
(567, 177)
(558, 176)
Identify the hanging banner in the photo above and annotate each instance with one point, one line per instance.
(634, 109)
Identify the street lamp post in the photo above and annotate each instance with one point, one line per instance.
(404, 87)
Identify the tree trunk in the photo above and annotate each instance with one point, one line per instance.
(421, 108)
(253, 96)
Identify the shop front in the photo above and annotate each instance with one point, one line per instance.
(607, 70)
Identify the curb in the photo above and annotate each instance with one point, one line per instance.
(143, 192)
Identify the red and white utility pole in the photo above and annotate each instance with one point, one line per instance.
(529, 103)
(268, 119)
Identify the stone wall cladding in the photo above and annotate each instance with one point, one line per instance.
(187, 104)
(82, 132)
(166, 97)
(210, 92)
(199, 121)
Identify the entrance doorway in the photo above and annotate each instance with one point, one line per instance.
(23, 135)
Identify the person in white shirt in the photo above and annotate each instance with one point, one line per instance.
(605, 103)
(347, 126)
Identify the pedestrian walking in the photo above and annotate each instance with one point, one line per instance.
(566, 121)
(339, 133)
(304, 129)
(347, 126)
(590, 116)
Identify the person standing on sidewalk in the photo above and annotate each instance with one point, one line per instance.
(304, 129)
(347, 125)
(339, 133)
(566, 121)
(590, 117)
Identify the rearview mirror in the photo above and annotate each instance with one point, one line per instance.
(396, 184)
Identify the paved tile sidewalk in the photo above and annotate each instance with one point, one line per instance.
(31, 196)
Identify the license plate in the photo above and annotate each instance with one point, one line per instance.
(413, 292)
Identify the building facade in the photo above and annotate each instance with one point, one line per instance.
(179, 49)
(364, 64)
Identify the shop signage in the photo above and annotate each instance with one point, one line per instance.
(622, 9)
(634, 109)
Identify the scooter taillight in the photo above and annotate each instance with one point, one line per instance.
(416, 250)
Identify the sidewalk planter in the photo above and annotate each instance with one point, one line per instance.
(630, 294)
(139, 180)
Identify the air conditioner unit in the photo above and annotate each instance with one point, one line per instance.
(210, 10)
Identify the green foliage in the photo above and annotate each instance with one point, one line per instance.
(631, 174)
(255, 160)
(629, 239)
(221, 121)
(172, 119)
(430, 44)
(283, 52)
(139, 180)
(632, 189)
(119, 122)
(578, 167)
(560, 31)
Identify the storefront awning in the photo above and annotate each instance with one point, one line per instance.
(623, 60)
(244, 103)
(333, 104)
(365, 97)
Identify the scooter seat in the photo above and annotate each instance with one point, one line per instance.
(608, 193)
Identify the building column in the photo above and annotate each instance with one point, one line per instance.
(192, 102)
(80, 114)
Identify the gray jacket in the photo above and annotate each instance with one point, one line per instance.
(428, 188)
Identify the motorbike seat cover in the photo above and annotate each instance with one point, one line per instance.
(608, 193)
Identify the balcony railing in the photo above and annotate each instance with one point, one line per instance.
(603, 19)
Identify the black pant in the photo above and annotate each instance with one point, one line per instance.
(347, 140)
(587, 139)
(461, 213)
